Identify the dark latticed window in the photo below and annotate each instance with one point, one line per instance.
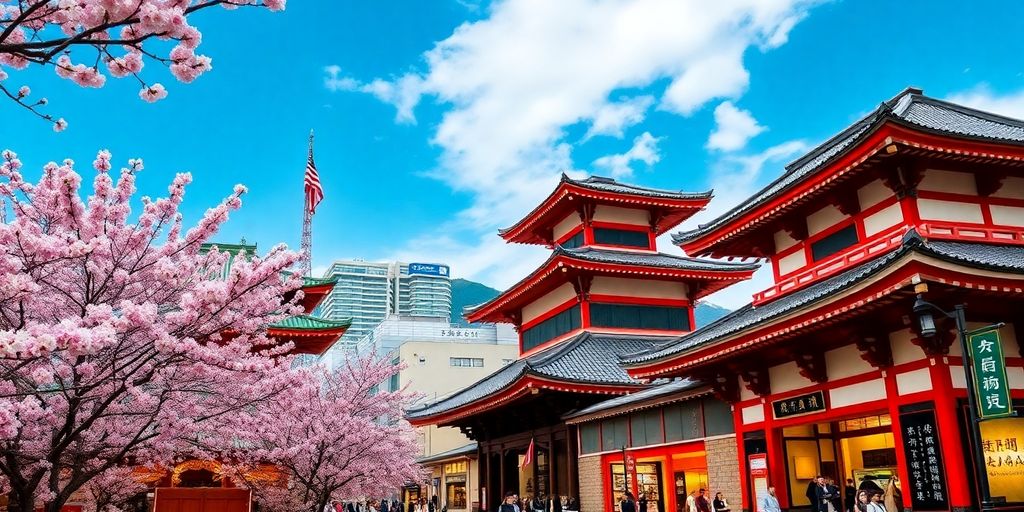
(631, 316)
(574, 241)
(625, 237)
(551, 328)
(834, 243)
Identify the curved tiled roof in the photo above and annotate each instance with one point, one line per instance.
(994, 257)
(587, 358)
(654, 392)
(310, 323)
(610, 185)
(910, 107)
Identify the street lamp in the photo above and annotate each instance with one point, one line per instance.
(926, 321)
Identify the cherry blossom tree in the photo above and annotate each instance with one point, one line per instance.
(86, 40)
(120, 339)
(336, 437)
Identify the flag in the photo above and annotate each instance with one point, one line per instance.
(529, 455)
(314, 192)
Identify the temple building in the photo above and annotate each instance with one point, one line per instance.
(605, 292)
(845, 366)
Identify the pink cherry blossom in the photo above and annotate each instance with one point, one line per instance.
(60, 125)
(119, 34)
(153, 93)
(112, 322)
(24, 91)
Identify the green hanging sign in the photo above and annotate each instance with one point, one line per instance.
(989, 368)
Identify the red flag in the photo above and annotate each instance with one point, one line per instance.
(529, 456)
(314, 192)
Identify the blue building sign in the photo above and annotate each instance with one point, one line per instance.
(428, 269)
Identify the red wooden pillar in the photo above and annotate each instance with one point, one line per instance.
(776, 457)
(947, 417)
(892, 395)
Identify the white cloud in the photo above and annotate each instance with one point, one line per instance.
(335, 81)
(645, 149)
(983, 98)
(612, 118)
(512, 83)
(733, 128)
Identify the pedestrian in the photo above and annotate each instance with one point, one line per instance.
(720, 504)
(642, 502)
(863, 501)
(822, 497)
(893, 495)
(851, 494)
(509, 505)
(835, 502)
(768, 502)
(812, 493)
(628, 503)
(337, 507)
(876, 504)
(703, 503)
(691, 502)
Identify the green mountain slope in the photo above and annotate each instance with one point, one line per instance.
(469, 293)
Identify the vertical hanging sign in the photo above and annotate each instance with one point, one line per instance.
(927, 483)
(989, 368)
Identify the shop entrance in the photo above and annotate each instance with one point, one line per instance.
(648, 483)
(860, 449)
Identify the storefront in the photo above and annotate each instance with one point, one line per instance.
(452, 476)
(660, 444)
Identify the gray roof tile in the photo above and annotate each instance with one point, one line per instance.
(586, 358)
(659, 390)
(909, 107)
(610, 185)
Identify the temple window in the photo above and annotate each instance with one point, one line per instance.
(566, 321)
(622, 237)
(831, 244)
(573, 241)
(631, 316)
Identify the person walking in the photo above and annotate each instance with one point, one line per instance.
(703, 503)
(876, 504)
(850, 495)
(768, 502)
(643, 502)
(863, 501)
(720, 504)
(812, 493)
(628, 503)
(509, 505)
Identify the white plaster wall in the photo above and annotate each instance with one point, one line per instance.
(883, 219)
(1013, 187)
(857, 393)
(745, 394)
(956, 374)
(904, 350)
(566, 225)
(753, 414)
(1007, 215)
(638, 288)
(823, 219)
(948, 181)
(845, 362)
(949, 210)
(783, 241)
(872, 194)
(794, 261)
(914, 381)
(1015, 377)
(786, 377)
(605, 213)
(547, 302)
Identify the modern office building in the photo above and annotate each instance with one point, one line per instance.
(367, 292)
(440, 359)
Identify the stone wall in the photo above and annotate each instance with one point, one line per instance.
(591, 484)
(724, 469)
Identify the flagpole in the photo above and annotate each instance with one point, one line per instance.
(307, 224)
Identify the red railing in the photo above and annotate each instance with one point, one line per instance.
(972, 233)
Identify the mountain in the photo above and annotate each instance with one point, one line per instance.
(469, 293)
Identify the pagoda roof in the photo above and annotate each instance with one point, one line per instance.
(910, 109)
(1003, 258)
(311, 335)
(588, 362)
(624, 263)
(676, 206)
(660, 393)
(468, 450)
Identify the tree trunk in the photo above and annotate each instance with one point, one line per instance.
(21, 500)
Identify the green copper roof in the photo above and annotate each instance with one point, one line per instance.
(311, 323)
(316, 281)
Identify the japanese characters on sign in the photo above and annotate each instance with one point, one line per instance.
(990, 383)
(1002, 442)
(924, 460)
(460, 333)
(797, 405)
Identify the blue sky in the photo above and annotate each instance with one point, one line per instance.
(438, 122)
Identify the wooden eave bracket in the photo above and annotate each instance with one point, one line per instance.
(797, 228)
(875, 349)
(848, 204)
(724, 386)
(989, 183)
(812, 366)
(757, 381)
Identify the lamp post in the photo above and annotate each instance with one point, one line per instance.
(923, 310)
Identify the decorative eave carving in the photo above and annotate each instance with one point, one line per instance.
(757, 381)
(581, 285)
(904, 179)
(725, 387)
(812, 366)
(875, 349)
(989, 181)
(654, 216)
(848, 204)
(939, 343)
(797, 228)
